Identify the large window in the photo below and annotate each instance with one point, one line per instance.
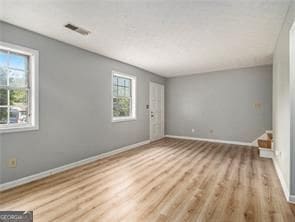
(18, 88)
(123, 97)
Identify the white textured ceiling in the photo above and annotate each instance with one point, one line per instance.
(170, 38)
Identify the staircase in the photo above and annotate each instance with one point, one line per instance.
(265, 145)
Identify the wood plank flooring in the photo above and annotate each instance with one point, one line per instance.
(168, 180)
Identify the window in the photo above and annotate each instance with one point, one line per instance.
(18, 88)
(123, 103)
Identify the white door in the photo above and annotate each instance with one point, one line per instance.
(156, 111)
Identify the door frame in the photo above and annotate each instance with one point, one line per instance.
(292, 112)
(162, 110)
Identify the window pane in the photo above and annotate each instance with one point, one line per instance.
(127, 82)
(115, 80)
(121, 91)
(15, 102)
(18, 115)
(120, 81)
(3, 58)
(3, 97)
(127, 92)
(3, 76)
(121, 107)
(116, 111)
(115, 90)
(3, 115)
(17, 78)
(17, 61)
(19, 97)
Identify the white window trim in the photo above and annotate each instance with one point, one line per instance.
(133, 91)
(34, 96)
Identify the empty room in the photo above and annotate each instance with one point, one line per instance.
(147, 110)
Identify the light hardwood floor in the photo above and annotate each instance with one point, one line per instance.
(168, 180)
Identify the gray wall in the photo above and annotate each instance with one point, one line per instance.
(282, 109)
(220, 101)
(75, 108)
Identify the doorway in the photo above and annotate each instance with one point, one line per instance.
(156, 111)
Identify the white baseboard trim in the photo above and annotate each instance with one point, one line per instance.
(209, 140)
(289, 198)
(31, 178)
(265, 153)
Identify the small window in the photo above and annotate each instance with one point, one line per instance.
(123, 100)
(18, 88)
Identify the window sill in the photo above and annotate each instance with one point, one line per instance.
(14, 129)
(116, 120)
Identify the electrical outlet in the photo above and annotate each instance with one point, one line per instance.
(193, 130)
(12, 163)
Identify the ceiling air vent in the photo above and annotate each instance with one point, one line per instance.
(77, 29)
